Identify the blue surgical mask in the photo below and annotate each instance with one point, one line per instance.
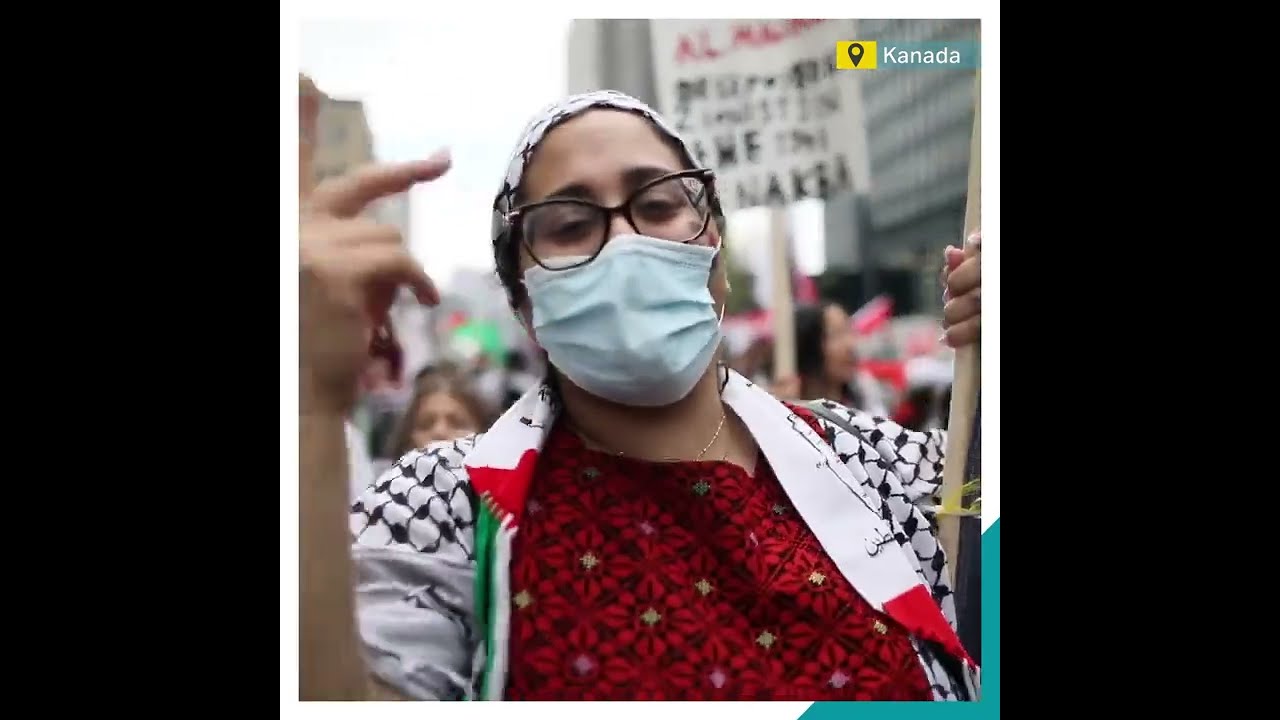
(636, 326)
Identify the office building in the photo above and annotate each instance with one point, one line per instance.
(343, 140)
(612, 55)
(343, 143)
(919, 127)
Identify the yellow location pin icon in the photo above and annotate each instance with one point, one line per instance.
(856, 55)
(855, 51)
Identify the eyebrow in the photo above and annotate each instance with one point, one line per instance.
(632, 178)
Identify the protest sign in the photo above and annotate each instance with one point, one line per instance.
(761, 103)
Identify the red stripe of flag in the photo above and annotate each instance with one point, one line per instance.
(873, 316)
(804, 289)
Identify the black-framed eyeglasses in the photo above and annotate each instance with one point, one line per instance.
(564, 233)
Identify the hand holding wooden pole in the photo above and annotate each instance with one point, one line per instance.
(968, 367)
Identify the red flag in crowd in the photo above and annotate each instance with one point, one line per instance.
(921, 343)
(804, 288)
(873, 316)
(889, 372)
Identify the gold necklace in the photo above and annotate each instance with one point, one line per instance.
(621, 454)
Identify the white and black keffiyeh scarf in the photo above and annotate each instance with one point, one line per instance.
(542, 123)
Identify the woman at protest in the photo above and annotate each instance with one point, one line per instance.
(646, 524)
(383, 395)
(442, 408)
(827, 362)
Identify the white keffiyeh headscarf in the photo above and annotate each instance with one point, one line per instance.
(546, 120)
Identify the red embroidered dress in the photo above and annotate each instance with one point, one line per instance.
(634, 580)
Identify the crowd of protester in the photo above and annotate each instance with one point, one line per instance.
(455, 397)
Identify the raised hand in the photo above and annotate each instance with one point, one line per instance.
(349, 270)
(962, 277)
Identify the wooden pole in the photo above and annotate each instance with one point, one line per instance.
(968, 367)
(784, 335)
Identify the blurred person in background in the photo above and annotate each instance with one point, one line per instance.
(443, 408)
(519, 380)
(362, 467)
(737, 534)
(927, 400)
(917, 408)
(827, 362)
(944, 407)
(383, 395)
(754, 362)
(431, 370)
(502, 381)
(435, 369)
(486, 377)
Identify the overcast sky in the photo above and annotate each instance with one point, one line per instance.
(427, 85)
(430, 84)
